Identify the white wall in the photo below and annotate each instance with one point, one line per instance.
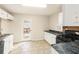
(53, 21)
(56, 21)
(39, 24)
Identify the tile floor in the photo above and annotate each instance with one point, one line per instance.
(33, 47)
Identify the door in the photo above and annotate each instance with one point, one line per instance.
(27, 30)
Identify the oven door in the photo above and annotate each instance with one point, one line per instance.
(1, 47)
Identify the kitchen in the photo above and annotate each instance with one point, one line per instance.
(46, 24)
(66, 40)
(6, 37)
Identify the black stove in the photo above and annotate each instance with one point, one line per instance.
(67, 36)
(67, 42)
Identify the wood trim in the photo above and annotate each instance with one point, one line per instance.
(70, 28)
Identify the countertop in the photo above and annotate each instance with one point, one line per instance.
(3, 36)
(67, 48)
(54, 32)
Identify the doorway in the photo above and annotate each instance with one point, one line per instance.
(27, 28)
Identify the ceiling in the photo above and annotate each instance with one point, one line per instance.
(19, 9)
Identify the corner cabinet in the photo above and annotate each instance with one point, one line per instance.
(50, 38)
(5, 15)
(71, 15)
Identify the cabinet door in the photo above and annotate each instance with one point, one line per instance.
(46, 36)
(8, 44)
(50, 38)
(10, 17)
(3, 14)
(71, 15)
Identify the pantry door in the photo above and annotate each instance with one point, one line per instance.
(27, 30)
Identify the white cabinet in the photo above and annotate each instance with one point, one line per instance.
(10, 17)
(5, 15)
(71, 15)
(8, 44)
(50, 38)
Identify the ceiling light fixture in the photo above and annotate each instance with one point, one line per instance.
(35, 5)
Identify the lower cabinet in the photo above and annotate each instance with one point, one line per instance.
(8, 44)
(1, 47)
(50, 38)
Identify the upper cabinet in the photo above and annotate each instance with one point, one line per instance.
(71, 15)
(10, 17)
(5, 15)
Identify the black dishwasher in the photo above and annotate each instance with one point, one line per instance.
(1, 47)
